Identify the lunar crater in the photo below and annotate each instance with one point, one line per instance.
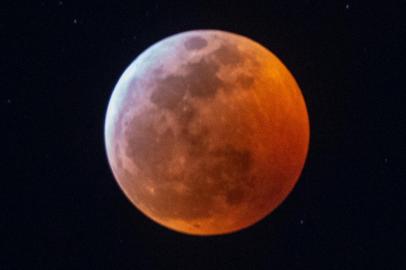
(228, 54)
(195, 43)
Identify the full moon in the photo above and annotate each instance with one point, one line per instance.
(206, 132)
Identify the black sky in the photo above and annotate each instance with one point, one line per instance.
(61, 207)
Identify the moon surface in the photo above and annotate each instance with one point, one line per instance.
(206, 132)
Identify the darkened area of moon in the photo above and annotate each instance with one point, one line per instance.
(201, 141)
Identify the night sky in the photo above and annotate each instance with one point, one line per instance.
(60, 205)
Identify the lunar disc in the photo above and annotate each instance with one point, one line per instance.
(206, 132)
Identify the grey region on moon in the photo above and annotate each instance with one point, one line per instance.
(179, 167)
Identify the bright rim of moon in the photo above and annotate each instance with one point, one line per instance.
(206, 132)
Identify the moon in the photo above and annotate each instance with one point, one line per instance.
(206, 132)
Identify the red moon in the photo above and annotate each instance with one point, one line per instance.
(206, 132)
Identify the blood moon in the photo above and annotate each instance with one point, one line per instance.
(206, 132)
